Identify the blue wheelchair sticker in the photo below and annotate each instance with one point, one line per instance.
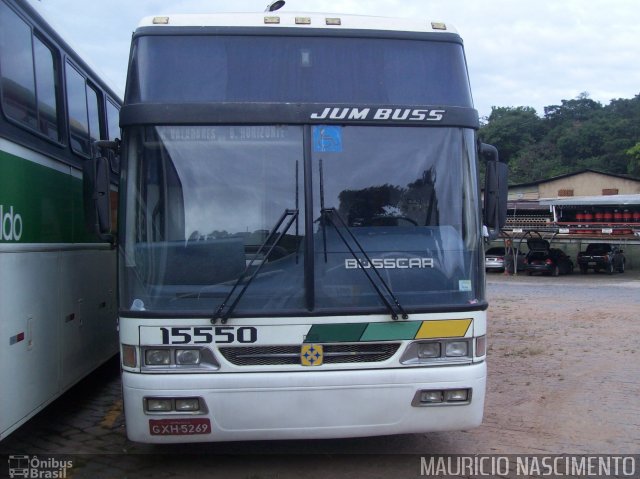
(327, 139)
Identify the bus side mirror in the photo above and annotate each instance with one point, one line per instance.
(97, 202)
(496, 189)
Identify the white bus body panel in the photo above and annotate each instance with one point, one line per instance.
(310, 405)
(54, 306)
(29, 368)
(297, 402)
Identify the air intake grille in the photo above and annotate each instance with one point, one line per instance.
(285, 355)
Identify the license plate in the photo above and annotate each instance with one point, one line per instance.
(179, 427)
(592, 264)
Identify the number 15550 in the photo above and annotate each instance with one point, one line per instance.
(209, 334)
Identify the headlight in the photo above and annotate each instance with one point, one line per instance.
(441, 397)
(438, 351)
(428, 350)
(159, 404)
(175, 406)
(431, 397)
(188, 356)
(187, 404)
(457, 349)
(172, 359)
(456, 395)
(157, 357)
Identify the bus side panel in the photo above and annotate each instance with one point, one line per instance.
(29, 333)
(89, 335)
(52, 336)
(57, 299)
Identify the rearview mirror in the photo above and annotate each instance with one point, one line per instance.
(496, 189)
(97, 207)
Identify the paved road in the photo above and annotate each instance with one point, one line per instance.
(564, 363)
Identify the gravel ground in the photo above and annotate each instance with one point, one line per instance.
(564, 364)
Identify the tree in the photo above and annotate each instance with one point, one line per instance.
(634, 160)
(512, 129)
(579, 109)
(577, 134)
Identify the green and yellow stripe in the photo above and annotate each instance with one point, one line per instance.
(391, 331)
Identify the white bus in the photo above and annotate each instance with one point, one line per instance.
(300, 248)
(57, 284)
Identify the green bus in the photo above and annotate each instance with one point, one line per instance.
(57, 282)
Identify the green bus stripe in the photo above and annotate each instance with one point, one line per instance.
(391, 331)
(387, 331)
(46, 204)
(335, 333)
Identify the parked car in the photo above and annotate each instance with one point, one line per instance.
(546, 260)
(601, 256)
(494, 259)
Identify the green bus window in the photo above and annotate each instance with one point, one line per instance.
(113, 124)
(93, 104)
(78, 114)
(46, 90)
(113, 120)
(16, 58)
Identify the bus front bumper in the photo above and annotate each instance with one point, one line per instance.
(302, 405)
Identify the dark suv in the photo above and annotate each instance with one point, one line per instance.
(601, 256)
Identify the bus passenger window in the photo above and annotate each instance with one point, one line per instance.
(16, 58)
(28, 76)
(46, 88)
(78, 114)
(93, 104)
(113, 120)
(113, 125)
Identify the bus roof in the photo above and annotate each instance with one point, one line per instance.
(299, 20)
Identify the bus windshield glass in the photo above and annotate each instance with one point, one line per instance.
(202, 200)
(303, 69)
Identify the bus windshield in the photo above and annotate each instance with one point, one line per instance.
(202, 200)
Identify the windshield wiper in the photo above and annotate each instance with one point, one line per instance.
(224, 315)
(328, 214)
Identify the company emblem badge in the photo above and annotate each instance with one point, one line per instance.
(311, 355)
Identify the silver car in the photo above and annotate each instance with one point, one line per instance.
(494, 259)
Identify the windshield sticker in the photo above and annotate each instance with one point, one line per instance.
(223, 134)
(464, 285)
(327, 139)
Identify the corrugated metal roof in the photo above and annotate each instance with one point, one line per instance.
(575, 173)
(592, 200)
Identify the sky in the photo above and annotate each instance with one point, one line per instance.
(520, 52)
